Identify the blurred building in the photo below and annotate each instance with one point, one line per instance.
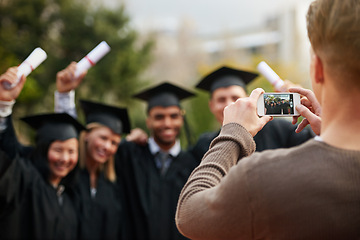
(281, 40)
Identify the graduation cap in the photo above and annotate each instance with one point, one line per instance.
(54, 126)
(164, 95)
(225, 77)
(115, 118)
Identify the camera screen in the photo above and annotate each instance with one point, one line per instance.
(278, 104)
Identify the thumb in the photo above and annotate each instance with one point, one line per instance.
(306, 113)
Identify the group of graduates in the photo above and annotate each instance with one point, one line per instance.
(84, 181)
(281, 106)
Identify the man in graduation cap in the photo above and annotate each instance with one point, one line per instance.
(226, 85)
(153, 175)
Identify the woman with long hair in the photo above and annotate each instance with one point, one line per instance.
(101, 213)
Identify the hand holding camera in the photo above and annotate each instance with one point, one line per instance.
(243, 112)
(310, 109)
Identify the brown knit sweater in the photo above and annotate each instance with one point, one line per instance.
(308, 192)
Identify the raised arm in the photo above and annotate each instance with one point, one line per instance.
(66, 83)
(8, 140)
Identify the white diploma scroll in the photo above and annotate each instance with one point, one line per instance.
(35, 58)
(270, 75)
(92, 58)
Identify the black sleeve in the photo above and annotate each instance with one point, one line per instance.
(9, 142)
(16, 178)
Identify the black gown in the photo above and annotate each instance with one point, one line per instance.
(10, 144)
(278, 133)
(150, 198)
(30, 206)
(100, 216)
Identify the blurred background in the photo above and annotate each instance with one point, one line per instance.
(151, 41)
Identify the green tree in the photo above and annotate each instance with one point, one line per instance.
(67, 30)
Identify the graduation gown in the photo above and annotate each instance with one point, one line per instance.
(100, 216)
(278, 133)
(150, 198)
(10, 144)
(30, 207)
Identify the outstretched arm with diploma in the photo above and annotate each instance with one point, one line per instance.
(8, 139)
(66, 80)
(66, 83)
(70, 78)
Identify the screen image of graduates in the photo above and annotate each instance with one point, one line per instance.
(280, 104)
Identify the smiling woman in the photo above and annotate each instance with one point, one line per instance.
(100, 212)
(63, 156)
(39, 192)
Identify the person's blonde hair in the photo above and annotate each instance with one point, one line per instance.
(334, 33)
(108, 168)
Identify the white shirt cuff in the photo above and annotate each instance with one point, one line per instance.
(6, 108)
(65, 102)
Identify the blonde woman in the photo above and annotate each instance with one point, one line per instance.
(101, 204)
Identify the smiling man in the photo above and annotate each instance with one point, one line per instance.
(153, 175)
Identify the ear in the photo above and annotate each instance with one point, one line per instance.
(319, 69)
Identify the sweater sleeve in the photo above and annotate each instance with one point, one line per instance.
(204, 201)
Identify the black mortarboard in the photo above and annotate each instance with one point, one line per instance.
(164, 95)
(225, 77)
(54, 126)
(115, 118)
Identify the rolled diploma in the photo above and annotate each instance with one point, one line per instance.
(270, 75)
(36, 57)
(92, 58)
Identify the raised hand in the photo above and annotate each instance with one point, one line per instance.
(10, 77)
(243, 111)
(66, 80)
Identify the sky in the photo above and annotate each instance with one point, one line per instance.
(209, 16)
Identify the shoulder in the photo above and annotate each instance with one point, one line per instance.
(280, 155)
(279, 172)
(131, 147)
(284, 162)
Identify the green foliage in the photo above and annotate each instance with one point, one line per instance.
(67, 30)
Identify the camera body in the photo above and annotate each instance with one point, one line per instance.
(278, 104)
